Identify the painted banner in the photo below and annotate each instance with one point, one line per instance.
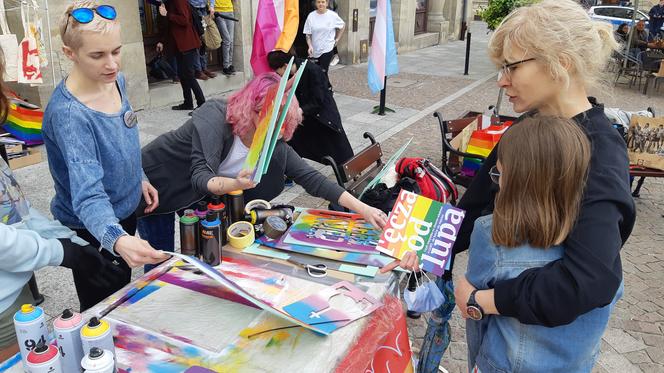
(333, 230)
(423, 225)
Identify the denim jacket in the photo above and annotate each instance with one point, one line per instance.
(503, 344)
(95, 162)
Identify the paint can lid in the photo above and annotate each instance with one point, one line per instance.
(189, 218)
(96, 353)
(42, 353)
(28, 313)
(41, 348)
(67, 314)
(212, 216)
(94, 322)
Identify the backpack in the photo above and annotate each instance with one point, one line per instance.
(433, 183)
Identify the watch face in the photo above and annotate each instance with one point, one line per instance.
(474, 313)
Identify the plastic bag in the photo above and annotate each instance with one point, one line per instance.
(426, 297)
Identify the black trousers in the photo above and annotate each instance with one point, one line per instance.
(89, 295)
(188, 81)
(324, 61)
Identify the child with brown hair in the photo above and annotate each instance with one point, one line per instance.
(541, 172)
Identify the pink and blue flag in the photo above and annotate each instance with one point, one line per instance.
(276, 27)
(383, 56)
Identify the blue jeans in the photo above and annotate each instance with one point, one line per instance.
(159, 231)
(226, 30)
(437, 336)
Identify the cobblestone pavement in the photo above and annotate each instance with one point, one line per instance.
(432, 80)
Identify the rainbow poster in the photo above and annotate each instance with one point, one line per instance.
(333, 230)
(376, 260)
(423, 225)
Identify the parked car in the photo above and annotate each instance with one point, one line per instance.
(616, 14)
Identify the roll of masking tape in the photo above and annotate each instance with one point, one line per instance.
(241, 234)
(274, 227)
(257, 204)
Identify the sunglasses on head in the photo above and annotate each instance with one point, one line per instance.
(86, 15)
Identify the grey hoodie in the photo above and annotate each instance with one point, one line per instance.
(180, 163)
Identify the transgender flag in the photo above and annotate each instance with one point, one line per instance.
(383, 55)
(276, 27)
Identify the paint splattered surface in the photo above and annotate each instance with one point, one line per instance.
(183, 320)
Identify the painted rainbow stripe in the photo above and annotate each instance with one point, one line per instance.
(25, 124)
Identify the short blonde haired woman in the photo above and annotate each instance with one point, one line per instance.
(549, 54)
(91, 137)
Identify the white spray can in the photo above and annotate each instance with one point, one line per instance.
(98, 361)
(30, 329)
(67, 330)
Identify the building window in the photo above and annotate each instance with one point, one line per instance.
(421, 16)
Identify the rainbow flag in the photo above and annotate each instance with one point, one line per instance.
(383, 56)
(422, 225)
(24, 122)
(276, 27)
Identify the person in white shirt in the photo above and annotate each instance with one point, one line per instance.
(323, 29)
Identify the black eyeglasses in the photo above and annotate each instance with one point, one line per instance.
(494, 174)
(506, 69)
(86, 15)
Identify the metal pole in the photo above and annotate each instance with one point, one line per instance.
(465, 69)
(631, 32)
(381, 109)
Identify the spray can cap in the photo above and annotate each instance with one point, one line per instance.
(96, 353)
(188, 212)
(211, 216)
(41, 348)
(94, 322)
(201, 206)
(236, 192)
(67, 314)
(27, 308)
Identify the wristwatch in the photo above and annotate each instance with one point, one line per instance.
(473, 309)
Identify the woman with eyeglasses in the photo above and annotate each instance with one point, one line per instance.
(545, 73)
(93, 148)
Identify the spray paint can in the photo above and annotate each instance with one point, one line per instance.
(30, 328)
(259, 216)
(44, 358)
(189, 233)
(219, 208)
(97, 333)
(67, 330)
(235, 206)
(98, 361)
(201, 210)
(201, 213)
(211, 239)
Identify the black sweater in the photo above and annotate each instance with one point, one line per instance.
(590, 271)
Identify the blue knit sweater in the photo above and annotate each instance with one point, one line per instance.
(95, 161)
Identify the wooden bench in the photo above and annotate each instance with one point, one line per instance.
(357, 172)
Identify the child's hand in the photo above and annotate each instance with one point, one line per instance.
(244, 181)
(409, 262)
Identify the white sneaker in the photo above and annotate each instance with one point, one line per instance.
(335, 60)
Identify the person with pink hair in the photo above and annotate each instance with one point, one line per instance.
(205, 157)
